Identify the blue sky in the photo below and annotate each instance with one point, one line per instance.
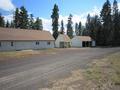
(43, 9)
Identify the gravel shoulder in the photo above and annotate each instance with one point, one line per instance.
(102, 74)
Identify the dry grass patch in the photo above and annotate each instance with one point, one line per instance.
(103, 74)
(25, 53)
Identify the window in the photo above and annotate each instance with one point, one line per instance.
(37, 43)
(12, 44)
(48, 43)
(0, 44)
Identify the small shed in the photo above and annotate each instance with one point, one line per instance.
(82, 41)
(63, 41)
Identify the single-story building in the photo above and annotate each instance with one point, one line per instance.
(82, 41)
(63, 41)
(22, 39)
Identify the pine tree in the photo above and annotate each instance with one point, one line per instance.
(107, 23)
(62, 27)
(41, 25)
(79, 29)
(2, 22)
(88, 27)
(55, 17)
(69, 27)
(93, 29)
(38, 24)
(12, 24)
(85, 32)
(31, 22)
(23, 16)
(76, 29)
(95, 26)
(16, 20)
(7, 24)
(116, 27)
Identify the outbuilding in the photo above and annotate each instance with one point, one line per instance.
(82, 41)
(22, 39)
(63, 41)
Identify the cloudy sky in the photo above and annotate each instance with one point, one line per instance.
(43, 9)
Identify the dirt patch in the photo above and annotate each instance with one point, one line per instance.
(102, 74)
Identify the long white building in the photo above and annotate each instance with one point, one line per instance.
(22, 39)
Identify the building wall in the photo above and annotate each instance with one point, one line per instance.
(58, 40)
(62, 39)
(75, 42)
(24, 45)
(93, 43)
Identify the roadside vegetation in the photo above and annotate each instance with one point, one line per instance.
(102, 74)
(25, 53)
(105, 73)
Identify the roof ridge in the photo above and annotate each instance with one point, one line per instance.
(23, 29)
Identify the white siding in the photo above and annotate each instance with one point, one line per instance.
(75, 42)
(22, 45)
(62, 38)
(58, 40)
(93, 43)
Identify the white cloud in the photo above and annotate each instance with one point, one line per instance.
(76, 18)
(6, 5)
(8, 17)
(119, 6)
(47, 23)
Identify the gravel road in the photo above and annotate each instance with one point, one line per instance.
(34, 72)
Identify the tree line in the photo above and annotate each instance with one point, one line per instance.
(103, 28)
(22, 20)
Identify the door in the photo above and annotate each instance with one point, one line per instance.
(61, 44)
(83, 44)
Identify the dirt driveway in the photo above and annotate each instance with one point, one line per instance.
(37, 71)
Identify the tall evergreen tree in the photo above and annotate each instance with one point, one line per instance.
(62, 27)
(55, 17)
(38, 24)
(12, 24)
(23, 16)
(31, 22)
(76, 29)
(16, 20)
(107, 22)
(2, 22)
(69, 27)
(95, 27)
(88, 27)
(7, 24)
(116, 21)
(80, 29)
